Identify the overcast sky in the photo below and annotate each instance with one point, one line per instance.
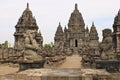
(49, 13)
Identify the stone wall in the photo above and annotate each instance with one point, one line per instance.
(66, 74)
(62, 74)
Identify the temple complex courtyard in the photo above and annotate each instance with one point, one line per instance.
(76, 54)
(71, 69)
(73, 61)
(10, 68)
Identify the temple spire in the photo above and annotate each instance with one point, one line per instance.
(65, 29)
(27, 5)
(76, 8)
(59, 29)
(93, 32)
(119, 12)
(87, 30)
(93, 24)
(59, 24)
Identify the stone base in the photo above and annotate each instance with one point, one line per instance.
(110, 65)
(63, 74)
(30, 65)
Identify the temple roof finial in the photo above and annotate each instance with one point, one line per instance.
(119, 12)
(93, 23)
(27, 5)
(76, 8)
(59, 24)
(65, 27)
(87, 30)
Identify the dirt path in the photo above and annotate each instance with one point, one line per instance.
(6, 69)
(71, 62)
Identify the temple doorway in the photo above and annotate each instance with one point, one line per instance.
(76, 43)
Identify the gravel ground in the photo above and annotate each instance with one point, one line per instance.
(71, 62)
(8, 69)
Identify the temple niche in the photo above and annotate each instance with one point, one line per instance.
(76, 37)
(26, 22)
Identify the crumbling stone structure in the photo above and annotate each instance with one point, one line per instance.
(106, 47)
(116, 35)
(59, 36)
(109, 48)
(28, 43)
(26, 22)
(74, 38)
(93, 42)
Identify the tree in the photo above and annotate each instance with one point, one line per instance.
(49, 45)
(52, 44)
(6, 44)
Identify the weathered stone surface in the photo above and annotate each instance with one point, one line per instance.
(116, 35)
(23, 65)
(26, 22)
(93, 37)
(74, 38)
(106, 45)
(59, 37)
(31, 47)
(30, 57)
(63, 74)
(28, 41)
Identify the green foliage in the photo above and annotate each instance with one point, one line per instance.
(6, 44)
(52, 44)
(99, 44)
(49, 45)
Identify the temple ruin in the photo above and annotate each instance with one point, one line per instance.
(76, 43)
(76, 36)
(26, 22)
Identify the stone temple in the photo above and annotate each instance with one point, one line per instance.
(76, 36)
(74, 39)
(116, 34)
(76, 44)
(26, 22)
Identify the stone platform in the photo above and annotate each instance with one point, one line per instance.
(63, 74)
(23, 65)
